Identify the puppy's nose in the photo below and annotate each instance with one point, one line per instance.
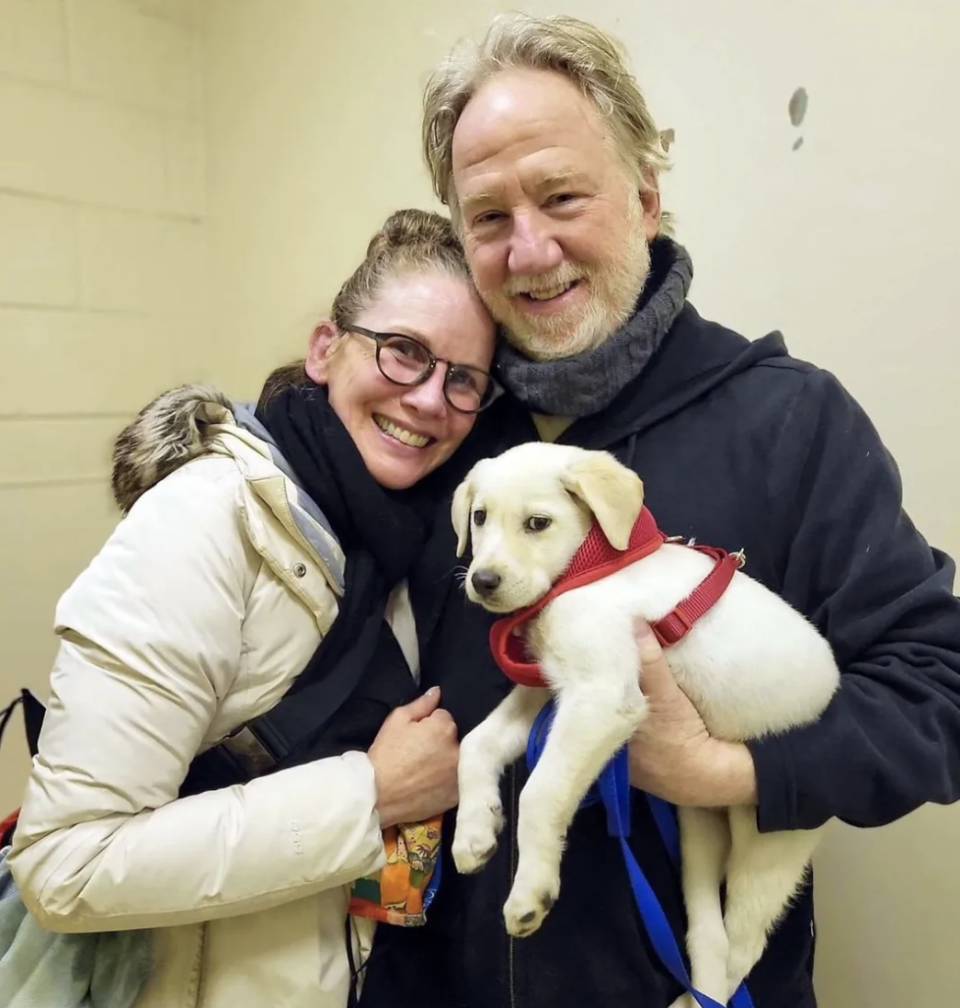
(485, 581)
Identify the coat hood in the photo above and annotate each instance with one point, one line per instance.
(167, 433)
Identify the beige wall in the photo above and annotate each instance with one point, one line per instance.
(102, 288)
(311, 128)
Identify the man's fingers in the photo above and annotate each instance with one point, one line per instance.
(649, 646)
(656, 673)
(422, 707)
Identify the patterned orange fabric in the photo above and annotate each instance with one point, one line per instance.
(398, 893)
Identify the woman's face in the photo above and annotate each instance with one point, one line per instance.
(404, 432)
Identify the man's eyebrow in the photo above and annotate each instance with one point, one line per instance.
(478, 199)
(553, 180)
(558, 178)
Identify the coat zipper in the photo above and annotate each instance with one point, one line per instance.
(513, 872)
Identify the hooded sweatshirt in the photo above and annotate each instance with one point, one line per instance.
(740, 446)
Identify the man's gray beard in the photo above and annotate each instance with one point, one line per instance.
(600, 319)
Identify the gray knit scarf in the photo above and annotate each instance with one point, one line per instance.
(588, 382)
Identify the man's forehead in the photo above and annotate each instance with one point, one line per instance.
(517, 114)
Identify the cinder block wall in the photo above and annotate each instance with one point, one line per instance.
(102, 283)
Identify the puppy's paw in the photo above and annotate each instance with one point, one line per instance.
(476, 834)
(528, 905)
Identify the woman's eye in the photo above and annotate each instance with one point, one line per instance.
(403, 348)
(537, 523)
(461, 378)
(479, 516)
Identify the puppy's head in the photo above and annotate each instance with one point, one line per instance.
(528, 510)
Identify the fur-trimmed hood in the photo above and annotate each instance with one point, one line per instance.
(166, 434)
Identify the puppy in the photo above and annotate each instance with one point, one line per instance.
(752, 666)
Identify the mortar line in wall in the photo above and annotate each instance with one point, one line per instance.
(72, 417)
(78, 309)
(170, 215)
(94, 97)
(41, 484)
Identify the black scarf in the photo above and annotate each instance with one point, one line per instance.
(382, 533)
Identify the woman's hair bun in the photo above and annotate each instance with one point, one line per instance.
(406, 228)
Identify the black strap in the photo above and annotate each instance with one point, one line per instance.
(33, 711)
(5, 716)
(284, 735)
(286, 732)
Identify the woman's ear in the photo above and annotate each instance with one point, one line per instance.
(322, 341)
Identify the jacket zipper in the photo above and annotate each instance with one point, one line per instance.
(513, 872)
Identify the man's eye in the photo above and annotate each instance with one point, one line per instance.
(479, 516)
(537, 523)
(561, 198)
(490, 217)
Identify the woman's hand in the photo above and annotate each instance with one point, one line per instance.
(414, 759)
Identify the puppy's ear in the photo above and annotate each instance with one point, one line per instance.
(460, 512)
(610, 490)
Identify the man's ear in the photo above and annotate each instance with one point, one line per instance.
(650, 204)
(322, 341)
(610, 490)
(460, 512)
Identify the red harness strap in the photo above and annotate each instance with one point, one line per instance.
(596, 559)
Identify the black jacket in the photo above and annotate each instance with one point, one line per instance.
(740, 446)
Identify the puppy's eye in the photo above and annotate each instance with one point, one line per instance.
(479, 516)
(537, 523)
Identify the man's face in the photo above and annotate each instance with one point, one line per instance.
(553, 226)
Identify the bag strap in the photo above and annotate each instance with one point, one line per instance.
(6, 714)
(33, 711)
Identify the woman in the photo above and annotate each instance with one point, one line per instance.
(219, 587)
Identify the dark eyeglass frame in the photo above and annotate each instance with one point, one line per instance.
(495, 389)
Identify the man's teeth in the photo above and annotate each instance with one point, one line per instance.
(552, 292)
(407, 437)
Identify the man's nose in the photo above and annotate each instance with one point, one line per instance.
(533, 247)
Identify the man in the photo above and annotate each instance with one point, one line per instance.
(542, 146)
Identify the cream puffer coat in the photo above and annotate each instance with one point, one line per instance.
(204, 604)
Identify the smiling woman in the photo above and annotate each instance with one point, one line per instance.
(405, 420)
(264, 553)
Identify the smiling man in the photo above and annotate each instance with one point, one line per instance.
(540, 142)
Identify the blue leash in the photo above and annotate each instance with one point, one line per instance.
(613, 789)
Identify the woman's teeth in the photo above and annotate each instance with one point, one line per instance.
(407, 437)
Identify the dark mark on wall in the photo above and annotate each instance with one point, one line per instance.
(798, 106)
(798, 109)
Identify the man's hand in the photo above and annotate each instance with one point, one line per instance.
(672, 755)
(414, 759)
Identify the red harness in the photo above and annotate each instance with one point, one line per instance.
(595, 559)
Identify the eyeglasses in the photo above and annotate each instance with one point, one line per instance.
(404, 360)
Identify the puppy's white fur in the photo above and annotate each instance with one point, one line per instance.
(752, 666)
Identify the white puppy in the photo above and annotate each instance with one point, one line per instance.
(752, 666)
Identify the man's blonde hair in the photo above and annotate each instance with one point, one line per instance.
(588, 57)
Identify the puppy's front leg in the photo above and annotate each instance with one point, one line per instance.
(594, 719)
(497, 741)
